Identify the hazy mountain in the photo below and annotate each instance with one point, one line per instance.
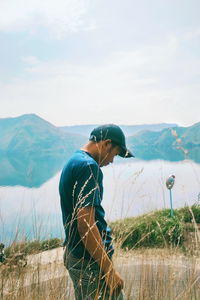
(32, 150)
(129, 130)
(174, 143)
(30, 134)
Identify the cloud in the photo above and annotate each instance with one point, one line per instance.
(31, 60)
(153, 84)
(192, 34)
(58, 17)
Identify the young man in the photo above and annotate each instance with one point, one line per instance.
(88, 244)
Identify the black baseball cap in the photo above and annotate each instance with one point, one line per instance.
(115, 134)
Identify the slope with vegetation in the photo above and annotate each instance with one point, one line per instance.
(153, 230)
(172, 144)
(159, 229)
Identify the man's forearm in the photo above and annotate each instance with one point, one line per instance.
(92, 240)
(93, 243)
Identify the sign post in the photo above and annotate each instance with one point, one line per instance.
(169, 184)
(171, 208)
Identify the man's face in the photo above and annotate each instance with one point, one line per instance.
(107, 153)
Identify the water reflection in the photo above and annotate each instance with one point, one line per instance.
(30, 171)
(130, 189)
(34, 170)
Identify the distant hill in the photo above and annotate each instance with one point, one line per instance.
(30, 134)
(129, 130)
(33, 150)
(174, 143)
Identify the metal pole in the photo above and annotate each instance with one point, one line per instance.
(171, 212)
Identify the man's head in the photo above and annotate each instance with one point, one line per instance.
(110, 141)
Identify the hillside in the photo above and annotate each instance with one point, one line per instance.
(32, 150)
(30, 134)
(173, 144)
(158, 229)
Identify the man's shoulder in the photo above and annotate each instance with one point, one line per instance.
(81, 161)
(83, 158)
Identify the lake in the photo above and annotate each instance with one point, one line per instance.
(131, 187)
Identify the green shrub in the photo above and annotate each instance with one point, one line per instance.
(50, 244)
(190, 213)
(15, 248)
(33, 246)
(156, 229)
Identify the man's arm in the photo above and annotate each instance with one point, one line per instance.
(92, 240)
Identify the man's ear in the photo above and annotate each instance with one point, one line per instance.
(107, 142)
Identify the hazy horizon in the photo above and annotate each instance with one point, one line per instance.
(89, 124)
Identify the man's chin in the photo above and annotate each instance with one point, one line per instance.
(104, 164)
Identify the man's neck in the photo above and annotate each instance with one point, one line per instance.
(91, 149)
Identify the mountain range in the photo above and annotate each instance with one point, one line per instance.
(129, 130)
(176, 143)
(33, 136)
(32, 150)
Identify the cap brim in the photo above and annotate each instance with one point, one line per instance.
(125, 153)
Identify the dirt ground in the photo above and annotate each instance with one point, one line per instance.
(154, 267)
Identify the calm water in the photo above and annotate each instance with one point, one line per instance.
(130, 189)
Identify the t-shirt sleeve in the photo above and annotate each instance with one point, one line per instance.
(86, 188)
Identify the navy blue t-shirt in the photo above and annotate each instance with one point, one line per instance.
(81, 185)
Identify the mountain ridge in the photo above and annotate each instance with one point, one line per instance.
(27, 131)
(127, 129)
(30, 134)
(32, 150)
(179, 142)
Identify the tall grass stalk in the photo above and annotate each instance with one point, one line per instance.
(147, 275)
(165, 274)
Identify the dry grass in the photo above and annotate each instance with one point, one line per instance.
(148, 274)
(158, 274)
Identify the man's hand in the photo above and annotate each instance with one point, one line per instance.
(114, 282)
(92, 240)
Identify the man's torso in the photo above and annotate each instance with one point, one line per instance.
(81, 185)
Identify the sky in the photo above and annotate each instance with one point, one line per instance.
(101, 61)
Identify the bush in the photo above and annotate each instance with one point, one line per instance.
(33, 246)
(50, 244)
(190, 214)
(156, 229)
